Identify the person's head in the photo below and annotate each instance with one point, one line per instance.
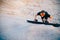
(42, 13)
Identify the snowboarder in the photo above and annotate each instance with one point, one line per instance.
(44, 16)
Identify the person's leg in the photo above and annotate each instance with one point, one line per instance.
(42, 19)
(46, 20)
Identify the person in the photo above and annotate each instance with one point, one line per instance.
(44, 16)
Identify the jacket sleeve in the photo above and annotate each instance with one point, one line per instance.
(38, 13)
(47, 14)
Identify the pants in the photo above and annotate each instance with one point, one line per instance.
(44, 19)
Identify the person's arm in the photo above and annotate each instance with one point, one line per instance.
(35, 17)
(49, 15)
